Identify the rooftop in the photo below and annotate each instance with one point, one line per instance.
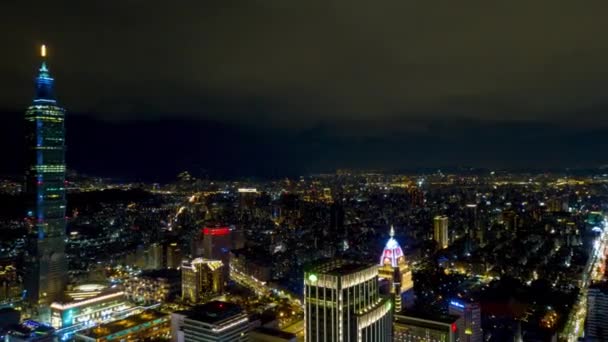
(166, 273)
(446, 319)
(601, 285)
(338, 267)
(253, 255)
(348, 269)
(124, 324)
(275, 332)
(32, 329)
(213, 312)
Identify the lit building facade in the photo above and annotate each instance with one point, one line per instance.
(217, 243)
(473, 228)
(174, 255)
(342, 303)
(255, 265)
(422, 328)
(200, 278)
(440, 231)
(395, 269)
(96, 309)
(213, 321)
(153, 257)
(30, 331)
(596, 324)
(155, 286)
(469, 320)
(10, 286)
(45, 187)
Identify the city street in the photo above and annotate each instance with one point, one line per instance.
(575, 326)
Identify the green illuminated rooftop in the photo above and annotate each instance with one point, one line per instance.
(126, 324)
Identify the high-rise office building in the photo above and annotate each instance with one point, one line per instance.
(213, 321)
(152, 257)
(596, 324)
(342, 303)
(395, 269)
(440, 231)
(473, 229)
(45, 187)
(469, 321)
(201, 278)
(173, 255)
(217, 243)
(511, 221)
(10, 284)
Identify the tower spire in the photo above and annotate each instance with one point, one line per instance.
(392, 231)
(44, 70)
(44, 81)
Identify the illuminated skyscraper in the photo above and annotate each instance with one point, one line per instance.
(596, 324)
(174, 255)
(440, 231)
(394, 268)
(200, 278)
(342, 303)
(469, 321)
(45, 186)
(217, 242)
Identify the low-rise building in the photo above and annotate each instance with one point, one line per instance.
(94, 309)
(419, 327)
(148, 325)
(214, 321)
(31, 331)
(153, 286)
(263, 334)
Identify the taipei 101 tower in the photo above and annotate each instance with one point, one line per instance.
(46, 273)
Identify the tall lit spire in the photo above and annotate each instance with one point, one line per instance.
(392, 253)
(46, 262)
(44, 81)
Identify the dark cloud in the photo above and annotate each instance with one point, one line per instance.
(275, 87)
(301, 62)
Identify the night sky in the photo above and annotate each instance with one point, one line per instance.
(276, 88)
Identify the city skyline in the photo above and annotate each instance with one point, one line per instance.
(325, 171)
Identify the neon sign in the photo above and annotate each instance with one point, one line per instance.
(216, 231)
(456, 304)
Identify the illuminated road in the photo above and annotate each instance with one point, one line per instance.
(258, 287)
(261, 288)
(575, 325)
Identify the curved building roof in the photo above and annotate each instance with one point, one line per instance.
(392, 253)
